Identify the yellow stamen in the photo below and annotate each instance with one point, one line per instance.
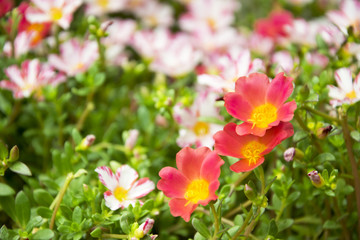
(252, 151)
(201, 128)
(212, 23)
(351, 94)
(196, 191)
(263, 115)
(79, 66)
(120, 194)
(103, 3)
(56, 14)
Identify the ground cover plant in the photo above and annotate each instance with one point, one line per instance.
(179, 119)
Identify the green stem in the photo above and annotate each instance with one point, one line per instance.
(116, 236)
(354, 169)
(103, 145)
(89, 108)
(238, 209)
(240, 179)
(243, 226)
(57, 39)
(223, 220)
(306, 129)
(321, 114)
(101, 53)
(217, 226)
(59, 198)
(262, 179)
(253, 223)
(282, 208)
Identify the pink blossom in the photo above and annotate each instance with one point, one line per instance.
(6, 6)
(347, 92)
(317, 59)
(101, 7)
(194, 130)
(284, 62)
(56, 11)
(154, 14)
(22, 44)
(260, 44)
(347, 16)
(124, 190)
(30, 78)
(75, 57)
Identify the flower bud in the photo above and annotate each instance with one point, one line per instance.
(323, 132)
(131, 140)
(14, 154)
(144, 228)
(86, 143)
(316, 179)
(289, 154)
(249, 192)
(153, 237)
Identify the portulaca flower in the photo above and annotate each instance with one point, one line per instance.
(124, 190)
(347, 92)
(56, 11)
(30, 78)
(194, 130)
(284, 62)
(22, 44)
(101, 7)
(347, 16)
(154, 14)
(75, 57)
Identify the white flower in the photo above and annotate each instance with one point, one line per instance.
(123, 187)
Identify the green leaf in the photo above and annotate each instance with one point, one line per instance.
(4, 233)
(330, 193)
(96, 233)
(330, 224)
(201, 228)
(293, 196)
(8, 205)
(77, 215)
(76, 136)
(44, 212)
(284, 224)
(22, 208)
(224, 192)
(148, 205)
(198, 236)
(5, 190)
(273, 229)
(239, 220)
(43, 197)
(21, 168)
(43, 234)
(34, 222)
(125, 222)
(3, 151)
(355, 135)
(323, 157)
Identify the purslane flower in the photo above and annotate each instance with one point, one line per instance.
(193, 183)
(30, 78)
(56, 11)
(75, 57)
(124, 190)
(347, 92)
(101, 7)
(275, 25)
(250, 149)
(260, 103)
(347, 16)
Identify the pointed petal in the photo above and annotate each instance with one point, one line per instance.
(286, 112)
(189, 161)
(279, 90)
(253, 88)
(244, 166)
(107, 177)
(343, 78)
(126, 176)
(141, 188)
(173, 183)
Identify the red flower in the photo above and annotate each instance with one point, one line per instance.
(193, 183)
(275, 25)
(260, 103)
(251, 149)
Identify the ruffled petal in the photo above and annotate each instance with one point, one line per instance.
(253, 88)
(276, 135)
(189, 161)
(107, 177)
(237, 106)
(248, 128)
(178, 208)
(343, 78)
(141, 188)
(279, 90)
(126, 176)
(210, 169)
(173, 183)
(244, 166)
(286, 112)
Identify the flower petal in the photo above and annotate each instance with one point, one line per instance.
(247, 128)
(173, 183)
(253, 88)
(111, 201)
(178, 208)
(286, 112)
(210, 169)
(244, 166)
(279, 90)
(107, 177)
(141, 188)
(189, 161)
(344, 79)
(126, 176)
(237, 106)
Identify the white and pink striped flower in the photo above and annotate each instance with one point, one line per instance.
(56, 11)
(155, 14)
(22, 44)
(347, 16)
(347, 92)
(101, 7)
(30, 78)
(124, 190)
(75, 57)
(194, 128)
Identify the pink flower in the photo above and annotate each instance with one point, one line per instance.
(56, 11)
(75, 57)
(101, 7)
(193, 183)
(30, 78)
(348, 91)
(274, 26)
(347, 16)
(260, 103)
(249, 148)
(6, 6)
(22, 44)
(194, 130)
(154, 14)
(227, 68)
(284, 62)
(124, 190)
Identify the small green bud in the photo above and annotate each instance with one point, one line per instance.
(249, 192)
(14, 154)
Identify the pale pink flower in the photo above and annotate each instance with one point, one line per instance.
(56, 11)
(299, 2)
(154, 14)
(22, 44)
(347, 92)
(227, 68)
(260, 44)
(132, 5)
(317, 59)
(284, 62)
(75, 57)
(177, 58)
(211, 14)
(132, 138)
(102, 7)
(354, 49)
(194, 129)
(332, 35)
(30, 78)
(124, 190)
(347, 16)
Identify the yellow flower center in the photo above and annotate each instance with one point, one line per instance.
(252, 151)
(79, 66)
(36, 28)
(56, 14)
(120, 194)
(103, 3)
(351, 94)
(212, 23)
(201, 128)
(263, 115)
(196, 191)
